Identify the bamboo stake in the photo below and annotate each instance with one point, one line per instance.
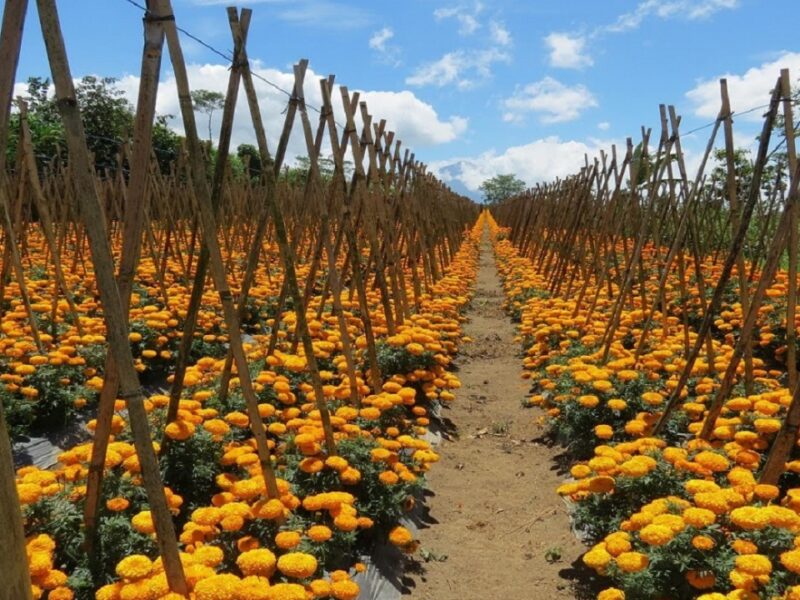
(116, 323)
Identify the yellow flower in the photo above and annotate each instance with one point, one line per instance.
(117, 504)
(611, 594)
(766, 492)
(632, 562)
(754, 564)
(253, 588)
(597, 558)
(134, 567)
(604, 432)
(28, 493)
(750, 517)
(791, 560)
(580, 471)
(286, 540)
(143, 522)
(257, 562)
(588, 401)
(400, 536)
(217, 587)
(287, 591)
(652, 398)
(703, 542)
(210, 556)
(638, 466)
(602, 385)
(319, 533)
(297, 564)
(744, 547)
(712, 461)
(617, 404)
(345, 590)
(656, 535)
(699, 517)
(617, 543)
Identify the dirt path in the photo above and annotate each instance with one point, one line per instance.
(495, 511)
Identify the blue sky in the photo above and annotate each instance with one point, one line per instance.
(474, 88)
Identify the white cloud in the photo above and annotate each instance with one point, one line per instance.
(750, 89)
(415, 122)
(604, 126)
(568, 51)
(467, 18)
(553, 101)
(541, 160)
(687, 9)
(386, 53)
(464, 68)
(379, 39)
(499, 34)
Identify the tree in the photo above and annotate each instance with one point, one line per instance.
(251, 160)
(166, 143)
(106, 113)
(501, 187)
(206, 102)
(107, 118)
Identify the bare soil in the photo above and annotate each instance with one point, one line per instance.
(497, 528)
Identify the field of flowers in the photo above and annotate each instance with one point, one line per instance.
(668, 515)
(237, 542)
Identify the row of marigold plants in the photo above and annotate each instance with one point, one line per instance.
(236, 542)
(673, 515)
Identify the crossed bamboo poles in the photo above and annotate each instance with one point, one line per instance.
(390, 221)
(627, 225)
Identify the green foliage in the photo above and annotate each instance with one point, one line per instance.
(250, 159)
(394, 361)
(107, 119)
(208, 102)
(58, 387)
(597, 515)
(501, 187)
(189, 468)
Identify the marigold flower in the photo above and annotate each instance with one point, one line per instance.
(143, 522)
(699, 517)
(210, 556)
(701, 581)
(287, 591)
(319, 533)
(604, 432)
(632, 562)
(656, 535)
(345, 589)
(286, 540)
(297, 564)
(217, 587)
(791, 560)
(750, 517)
(400, 536)
(703, 542)
(257, 562)
(754, 564)
(134, 567)
(117, 504)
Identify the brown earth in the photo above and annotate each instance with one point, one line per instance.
(494, 511)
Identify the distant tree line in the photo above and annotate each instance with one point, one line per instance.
(108, 119)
